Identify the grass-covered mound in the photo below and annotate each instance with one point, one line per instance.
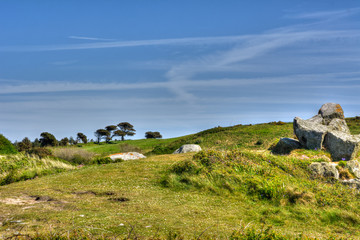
(18, 167)
(282, 183)
(6, 146)
(256, 137)
(127, 199)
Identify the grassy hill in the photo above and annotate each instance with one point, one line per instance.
(235, 194)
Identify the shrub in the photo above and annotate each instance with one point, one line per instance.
(105, 160)
(41, 152)
(6, 146)
(152, 135)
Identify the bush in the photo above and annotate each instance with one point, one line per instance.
(41, 152)
(105, 160)
(6, 146)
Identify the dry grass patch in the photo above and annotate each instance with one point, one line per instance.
(74, 155)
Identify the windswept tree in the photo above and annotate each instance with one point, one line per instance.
(25, 145)
(47, 139)
(102, 134)
(64, 141)
(72, 141)
(36, 143)
(119, 133)
(82, 137)
(153, 135)
(111, 129)
(127, 128)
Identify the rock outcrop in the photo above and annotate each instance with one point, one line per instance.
(328, 129)
(188, 148)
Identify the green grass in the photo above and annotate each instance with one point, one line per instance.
(142, 145)
(112, 199)
(259, 136)
(235, 189)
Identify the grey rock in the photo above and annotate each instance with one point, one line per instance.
(342, 146)
(188, 148)
(352, 183)
(329, 111)
(354, 167)
(311, 135)
(339, 125)
(324, 169)
(286, 145)
(127, 156)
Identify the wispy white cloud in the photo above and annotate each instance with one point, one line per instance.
(90, 38)
(120, 44)
(185, 85)
(325, 14)
(63, 63)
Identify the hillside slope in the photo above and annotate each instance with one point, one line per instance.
(213, 194)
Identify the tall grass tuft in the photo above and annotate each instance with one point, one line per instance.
(14, 168)
(74, 155)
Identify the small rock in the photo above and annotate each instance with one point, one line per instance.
(354, 167)
(188, 148)
(352, 183)
(127, 156)
(286, 145)
(324, 169)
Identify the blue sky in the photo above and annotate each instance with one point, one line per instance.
(177, 67)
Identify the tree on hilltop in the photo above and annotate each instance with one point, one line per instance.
(82, 137)
(127, 128)
(102, 133)
(64, 141)
(119, 133)
(153, 135)
(47, 139)
(111, 129)
(25, 145)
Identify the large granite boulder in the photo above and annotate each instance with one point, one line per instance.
(286, 145)
(310, 134)
(324, 169)
(342, 146)
(329, 111)
(188, 148)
